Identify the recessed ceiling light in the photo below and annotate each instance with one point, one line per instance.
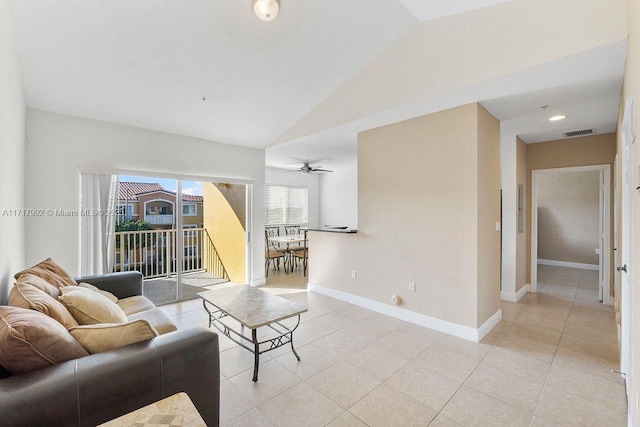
(556, 118)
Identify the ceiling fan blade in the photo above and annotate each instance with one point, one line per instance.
(320, 170)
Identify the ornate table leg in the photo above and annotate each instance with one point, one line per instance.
(256, 353)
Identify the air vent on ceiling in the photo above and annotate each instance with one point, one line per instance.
(581, 132)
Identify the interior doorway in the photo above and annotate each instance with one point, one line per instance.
(570, 229)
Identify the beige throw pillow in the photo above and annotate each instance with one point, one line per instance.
(29, 296)
(40, 283)
(89, 307)
(103, 337)
(51, 272)
(107, 294)
(30, 340)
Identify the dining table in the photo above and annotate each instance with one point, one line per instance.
(287, 241)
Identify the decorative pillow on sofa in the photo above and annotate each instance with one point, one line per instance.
(30, 340)
(28, 296)
(89, 307)
(51, 272)
(40, 283)
(103, 337)
(107, 294)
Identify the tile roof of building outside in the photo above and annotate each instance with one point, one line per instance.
(131, 190)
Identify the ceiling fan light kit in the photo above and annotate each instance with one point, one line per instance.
(267, 10)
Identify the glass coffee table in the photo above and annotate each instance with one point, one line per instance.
(252, 308)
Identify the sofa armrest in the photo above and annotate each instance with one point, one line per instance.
(97, 388)
(122, 284)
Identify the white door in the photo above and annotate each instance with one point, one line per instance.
(626, 233)
(603, 295)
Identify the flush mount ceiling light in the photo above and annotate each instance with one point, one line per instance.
(267, 10)
(556, 118)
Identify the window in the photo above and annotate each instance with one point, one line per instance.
(286, 205)
(189, 210)
(190, 233)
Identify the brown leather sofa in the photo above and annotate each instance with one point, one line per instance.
(97, 388)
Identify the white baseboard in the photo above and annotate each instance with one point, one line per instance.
(487, 326)
(515, 296)
(259, 282)
(440, 325)
(579, 265)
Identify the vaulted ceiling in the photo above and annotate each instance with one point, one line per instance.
(306, 83)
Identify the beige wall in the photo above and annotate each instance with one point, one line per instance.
(521, 238)
(428, 199)
(12, 156)
(585, 151)
(569, 217)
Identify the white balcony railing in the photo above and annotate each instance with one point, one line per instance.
(160, 219)
(154, 252)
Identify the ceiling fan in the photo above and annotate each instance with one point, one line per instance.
(307, 168)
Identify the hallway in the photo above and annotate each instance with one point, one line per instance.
(565, 324)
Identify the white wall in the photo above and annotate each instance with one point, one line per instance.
(12, 146)
(59, 146)
(513, 172)
(297, 179)
(508, 145)
(339, 195)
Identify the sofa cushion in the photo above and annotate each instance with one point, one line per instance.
(105, 336)
(135, 304)
(107, 294)
(157, 319)
(31, 297)
(89, 307)
(30, 340)
(51, 272)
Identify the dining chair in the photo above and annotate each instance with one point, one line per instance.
(302, 254)
(292, 230)
(272, 253)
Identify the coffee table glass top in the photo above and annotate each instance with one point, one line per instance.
(251, 306)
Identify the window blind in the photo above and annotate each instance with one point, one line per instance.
(286, 205)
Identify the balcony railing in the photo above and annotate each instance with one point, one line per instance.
(154, 252)
(159, 219)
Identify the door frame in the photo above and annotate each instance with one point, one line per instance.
(626, 256)
(604, 223)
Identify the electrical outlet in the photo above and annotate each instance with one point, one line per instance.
(412, 286)
(354, 274)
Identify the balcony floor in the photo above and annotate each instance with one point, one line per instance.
(162, 290)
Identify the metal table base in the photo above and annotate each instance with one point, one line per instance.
(284, 337)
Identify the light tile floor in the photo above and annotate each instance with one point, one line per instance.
(548, 362)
